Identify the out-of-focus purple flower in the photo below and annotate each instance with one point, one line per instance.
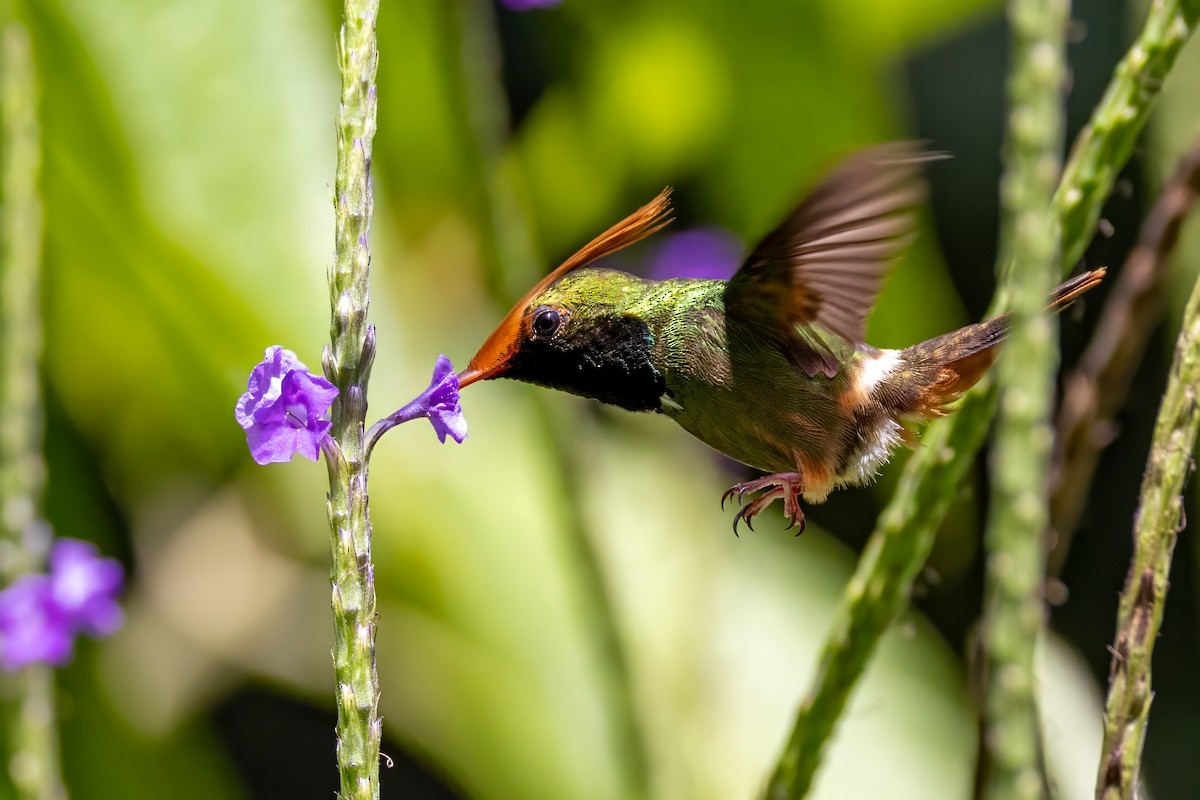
(33, 628)
(712, 253)
(41, 614)
(528, 5)
(439, 403)
(85, 586)
(283, 409)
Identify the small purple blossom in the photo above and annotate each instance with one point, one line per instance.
(712, 253)
(40, 614)
(439, 403)
(33, 629)
(528, 5)
(283, 409)
(85, 586)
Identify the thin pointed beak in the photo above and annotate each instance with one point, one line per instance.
(490, 362)
(469, 376)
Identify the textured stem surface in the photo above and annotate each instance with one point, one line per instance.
(1098, 386)
(24, 535)
(906, 529)
(1158, 522)
(347, 364)
(1105, 144)
(1018, 512)
(879, 588)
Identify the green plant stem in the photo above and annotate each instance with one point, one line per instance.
(506, 249)
(1159, 519)
(1100, 383)
(1105, 144)
(879, 588)
(347, 364)
(1019, 510)
(21, 428)
(33, 760)
(505, 240)
(907, 528)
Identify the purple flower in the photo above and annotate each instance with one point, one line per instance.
(528, 5)
(33, 628)
(439, 403)
(84, 586)
(712, 253)
(283, 409)
(41, 614)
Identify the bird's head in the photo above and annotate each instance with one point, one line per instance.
(573, 330)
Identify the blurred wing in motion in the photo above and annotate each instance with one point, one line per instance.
(819, 272)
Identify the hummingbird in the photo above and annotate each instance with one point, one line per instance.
(770, 367)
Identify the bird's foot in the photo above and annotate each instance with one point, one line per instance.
(785, 485)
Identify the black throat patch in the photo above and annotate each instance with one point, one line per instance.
(606, 358)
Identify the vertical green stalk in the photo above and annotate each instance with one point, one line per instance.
(907, 527)
(21, 425)
(504, 233)
(879, 588)
(1105, 144)
(1097, 388)
(1158, 522)
(1019, 509)
(24, 535)
(347, 364)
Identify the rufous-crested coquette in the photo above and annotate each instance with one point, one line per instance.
(769, 367)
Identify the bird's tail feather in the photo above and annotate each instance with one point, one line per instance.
(941, 369)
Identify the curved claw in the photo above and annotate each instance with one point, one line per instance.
(785, 486)
(795, 516)
(802, 521)
(746, 515)
(730, 492)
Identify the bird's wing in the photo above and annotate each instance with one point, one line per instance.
(818, 273)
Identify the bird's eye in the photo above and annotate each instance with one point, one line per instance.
(546, 322)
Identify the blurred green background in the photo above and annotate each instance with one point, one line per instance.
(189, 155)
